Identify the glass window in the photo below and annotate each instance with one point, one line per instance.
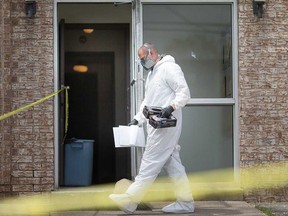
(199, 38)
(207, 138)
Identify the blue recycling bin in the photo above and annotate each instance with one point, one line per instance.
(78, 163)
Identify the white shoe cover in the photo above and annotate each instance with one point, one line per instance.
(179, 207)
(123, 201)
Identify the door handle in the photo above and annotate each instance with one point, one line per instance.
(133, 82)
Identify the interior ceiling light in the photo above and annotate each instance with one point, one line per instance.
(88, 30)
(80, 68)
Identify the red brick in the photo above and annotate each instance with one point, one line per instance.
(22, 173)
(24, 181)
(22, 188)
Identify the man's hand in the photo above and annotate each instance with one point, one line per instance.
(133, 122)
(166, 112)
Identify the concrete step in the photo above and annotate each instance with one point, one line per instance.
(215, 191)
(210, 191)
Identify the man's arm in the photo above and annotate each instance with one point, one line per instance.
(176, 80)
(139, 117)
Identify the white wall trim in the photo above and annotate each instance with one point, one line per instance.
(56, 100)
(235, 90)
(210, 101)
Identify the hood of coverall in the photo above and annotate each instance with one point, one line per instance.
(165, 58)
(166, 72)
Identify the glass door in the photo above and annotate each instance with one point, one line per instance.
(200, 36)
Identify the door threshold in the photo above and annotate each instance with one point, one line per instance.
(205, 191)
(92, 188)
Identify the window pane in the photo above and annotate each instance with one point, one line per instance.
(199, 38)
(207, 138)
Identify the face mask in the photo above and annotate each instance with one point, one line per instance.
(148, 63)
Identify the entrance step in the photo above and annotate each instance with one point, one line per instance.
(211, 191)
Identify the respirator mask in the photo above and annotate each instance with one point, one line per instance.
(148, 63)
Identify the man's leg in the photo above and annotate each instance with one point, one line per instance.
(152, 162)
(176, 171)
(160, 146)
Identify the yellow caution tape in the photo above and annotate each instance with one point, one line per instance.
(96, 198)
(38, 102)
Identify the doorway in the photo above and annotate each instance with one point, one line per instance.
(91, 107)
(98, 95)
(204, 45)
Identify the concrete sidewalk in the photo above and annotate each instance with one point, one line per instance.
(202, 208)
(277, 208)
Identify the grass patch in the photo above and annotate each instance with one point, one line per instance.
(265, 210)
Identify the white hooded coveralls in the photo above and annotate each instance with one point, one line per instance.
(165, 86)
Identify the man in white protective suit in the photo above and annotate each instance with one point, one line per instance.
(165, 87)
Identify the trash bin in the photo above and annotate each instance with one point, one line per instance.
(78, 164)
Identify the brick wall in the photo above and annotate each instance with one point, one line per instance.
(27, 141)
(5, 97)
(263, 90)
(26, 148)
